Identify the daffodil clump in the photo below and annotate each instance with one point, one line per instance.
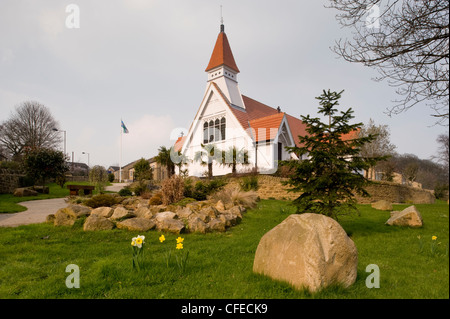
(181, 255)
(433, 246)
(137, 244)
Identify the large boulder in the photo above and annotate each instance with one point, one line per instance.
(410, 216)
(96, 222)
(136, 224)
(196, 225)
(308, 251)
(20, 192)
(105, 212)
(382, 205)
(217, 224)
(143, 212)
(121, 213)
(68, 215)
(170, 225)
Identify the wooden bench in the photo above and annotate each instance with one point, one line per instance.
(74, 189)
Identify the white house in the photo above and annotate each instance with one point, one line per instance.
(226, 118)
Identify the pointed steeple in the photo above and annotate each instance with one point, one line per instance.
(222, 54)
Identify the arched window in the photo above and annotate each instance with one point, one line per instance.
(222, 128)
(217, 130)
(211, 131)
(205, 133)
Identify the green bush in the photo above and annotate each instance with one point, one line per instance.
(248, 183)
(185, 201)
(202, 189)
(101, 200)
(156, 199)
(111, 177)
(125, 192)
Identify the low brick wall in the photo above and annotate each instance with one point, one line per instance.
(9, 180)
(271, 187)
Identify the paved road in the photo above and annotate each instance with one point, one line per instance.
(37, 210)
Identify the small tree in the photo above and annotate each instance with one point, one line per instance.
(332, 171)
(233, 156)
(142, 170)
(211, 152)
(99, 177)
(41, 164)
(164, 159)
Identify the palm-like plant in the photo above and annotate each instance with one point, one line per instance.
(164, 159)
(211, 152)
(233, 156)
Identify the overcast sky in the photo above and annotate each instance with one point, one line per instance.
(143, 61)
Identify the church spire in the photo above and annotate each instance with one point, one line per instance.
(222, 54)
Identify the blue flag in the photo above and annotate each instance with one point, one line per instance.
(125, 130)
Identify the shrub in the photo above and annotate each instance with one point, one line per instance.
(202, 189)
(156, 199)
(111, 177)
(185, 201)
(235, 196)
(146, 195)
(248, 183)
(172, 190)
(98, 176)
(101, 200)
(125, 192)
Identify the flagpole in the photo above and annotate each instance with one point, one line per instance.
(120, 163)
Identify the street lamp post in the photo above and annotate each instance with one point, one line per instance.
(88, 157)
(56, 130)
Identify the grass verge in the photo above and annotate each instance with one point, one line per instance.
(34, 259)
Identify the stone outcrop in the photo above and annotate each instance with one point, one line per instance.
(410, 217)
(136, 224)
(139, 215)
(24, 191)
(382, 205)
(308, 251)
(68, 215)
(97, 222)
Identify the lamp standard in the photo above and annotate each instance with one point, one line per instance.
(56, 130)
(88, 157)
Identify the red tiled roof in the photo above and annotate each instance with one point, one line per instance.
(266, 128)
(222, 54)
(179, 143)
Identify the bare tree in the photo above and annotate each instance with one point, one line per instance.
(443, 152)
(380, 146)
(407, 42)
(31, 126)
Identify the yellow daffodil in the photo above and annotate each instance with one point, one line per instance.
(180, 240)
(133, 242)
(162, 238)
(179, 246)
(433, 238)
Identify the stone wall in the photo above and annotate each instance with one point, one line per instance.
(9, 180)
(396, 193)
(270, 187)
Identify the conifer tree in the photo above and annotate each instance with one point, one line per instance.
(330, 169)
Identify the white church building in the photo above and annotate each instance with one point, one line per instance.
(227, 118)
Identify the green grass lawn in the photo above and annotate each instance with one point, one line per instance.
(8, 202)
(219, 264)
